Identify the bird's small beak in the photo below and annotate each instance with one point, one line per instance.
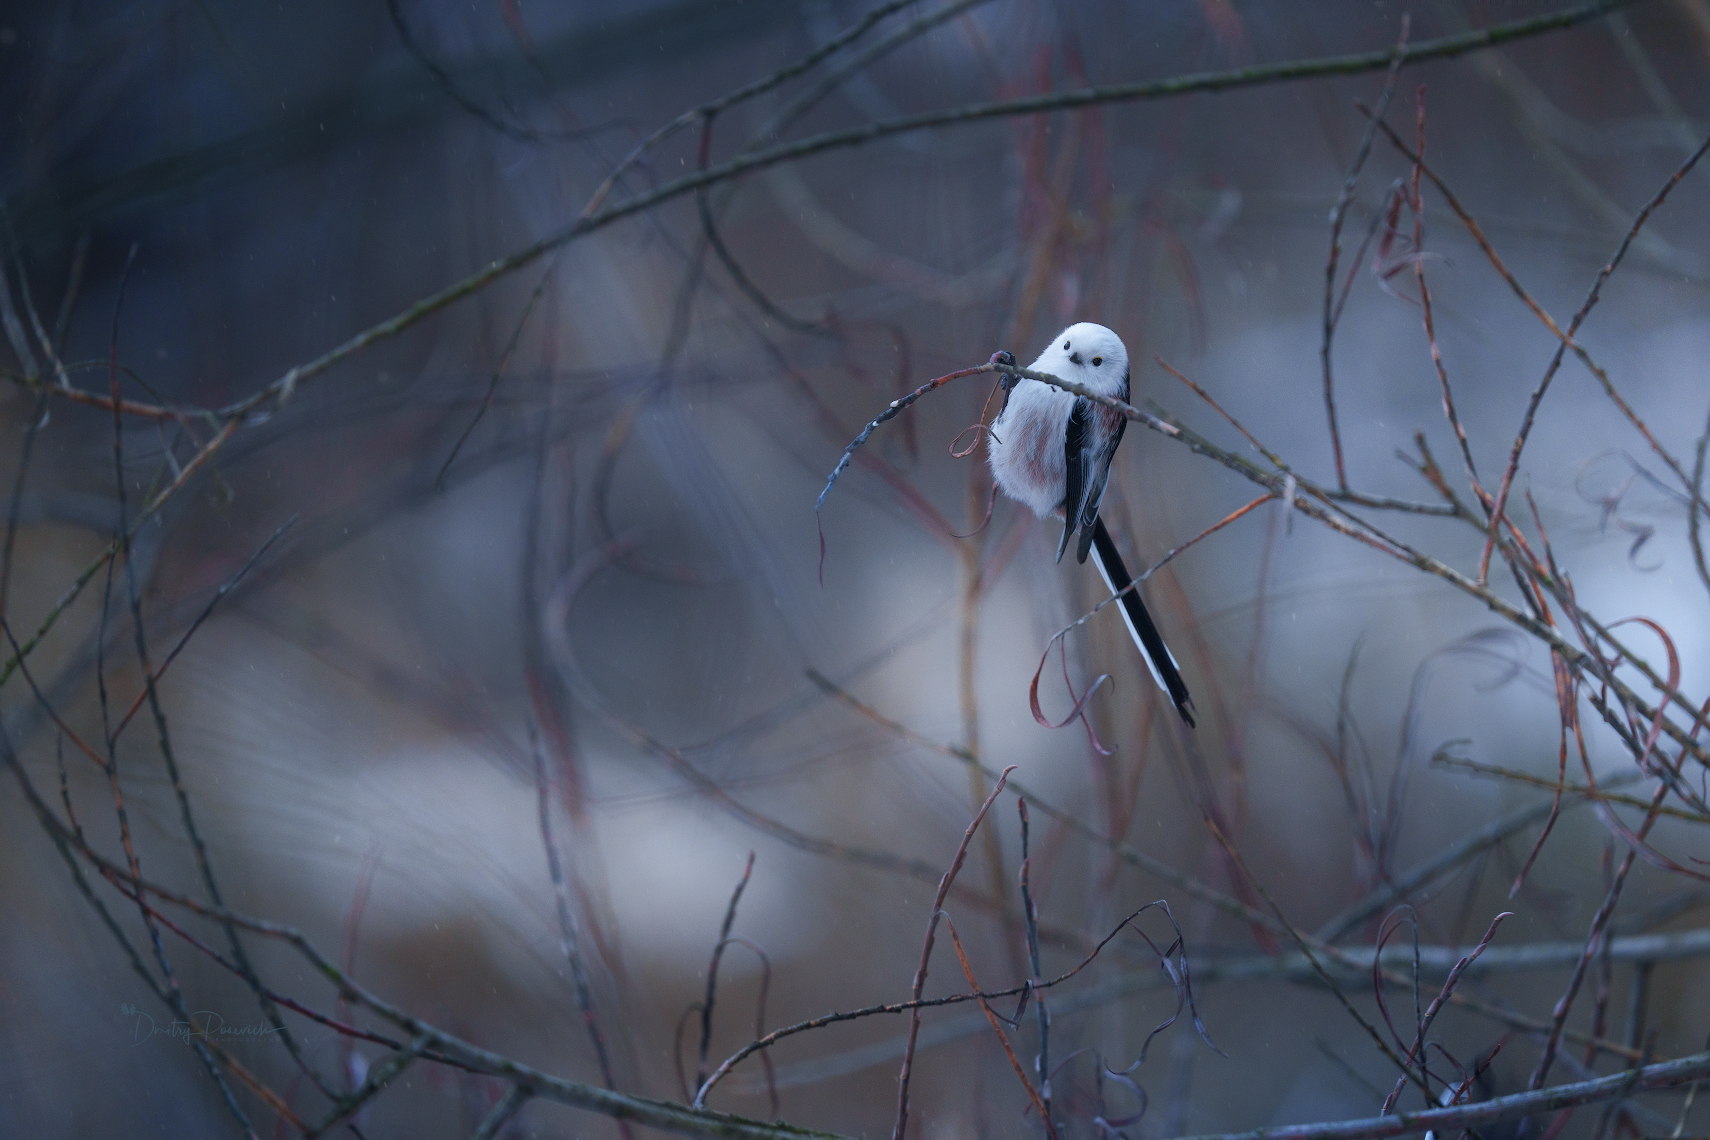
(1074, 358)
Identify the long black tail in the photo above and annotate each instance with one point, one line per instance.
(1158, 657)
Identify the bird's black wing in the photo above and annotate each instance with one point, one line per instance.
(1097, 475)
(1097, 472)
(1077, 440)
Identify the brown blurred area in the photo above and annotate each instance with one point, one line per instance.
(617, 567)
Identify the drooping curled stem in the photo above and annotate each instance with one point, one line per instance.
(891, 412)
(998, 361)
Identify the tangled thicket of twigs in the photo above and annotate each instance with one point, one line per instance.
(1599, 665)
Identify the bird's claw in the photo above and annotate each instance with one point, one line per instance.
(1009, 379)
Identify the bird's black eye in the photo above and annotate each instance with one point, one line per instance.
(1065, 344)
(1097, 360)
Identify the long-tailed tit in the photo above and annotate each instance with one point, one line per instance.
(1051, 450)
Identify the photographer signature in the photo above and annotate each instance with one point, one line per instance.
(203, 1023)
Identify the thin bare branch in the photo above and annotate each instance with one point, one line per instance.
(1668, 1075)
(901, 1126)
(1338, 214)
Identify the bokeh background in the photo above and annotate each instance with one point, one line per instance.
(618, 569)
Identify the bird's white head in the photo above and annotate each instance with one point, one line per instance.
(1089, 353)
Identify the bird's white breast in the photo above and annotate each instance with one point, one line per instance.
(1026, 451)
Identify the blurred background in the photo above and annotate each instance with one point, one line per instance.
(556, 544)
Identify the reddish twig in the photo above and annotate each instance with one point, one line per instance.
(895, 408)
(1418, 207)
(891, 412)
(1558, 1016)
(901, 1126)
(1585, 308)
(1030, 915)
(1300, 941)
(352, 926)
(1417, 1050)
(121, 549)
(1337, 215)
(498, 368)
(1567, 703)
(1695, 506)
(1078, 710)
(997, 1028)
(1029, 987)
(991, 501)
(1057, 639)
(712, 970)
(570, 942)
(1218, 408)
(65, 730)
(226, 587)
(1566, 338)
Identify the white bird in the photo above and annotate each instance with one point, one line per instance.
(1051, 450)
